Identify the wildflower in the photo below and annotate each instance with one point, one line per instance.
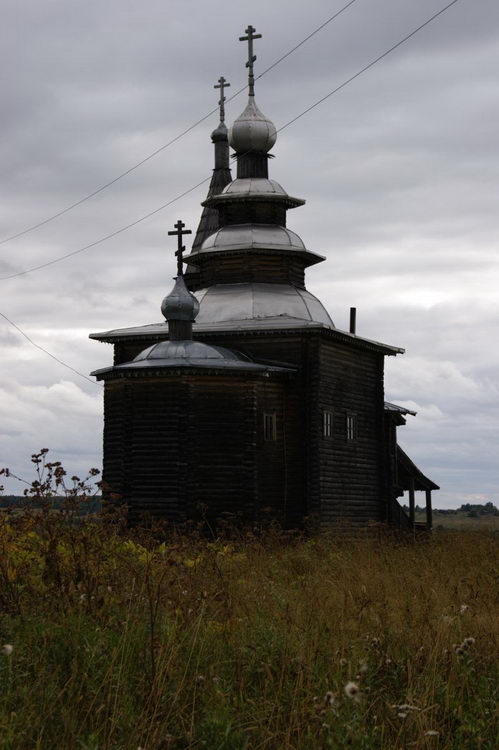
(329, 699)
(200, 678)
(459, 650)
(431, 733)
(407, 707)
(343, 662)
(402, 715)
(468, 642)
(463, 608)
(7, 649)
(352, 690)
(363, 667)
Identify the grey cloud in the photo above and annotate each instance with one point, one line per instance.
(399, 170)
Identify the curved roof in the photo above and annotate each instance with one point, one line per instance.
(252, 131)
(256, 302)
(249, 236)
(253, 189)
(190, 354)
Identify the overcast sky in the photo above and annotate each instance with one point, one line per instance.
(399, 169)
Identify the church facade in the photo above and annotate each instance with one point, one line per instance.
(247, 400)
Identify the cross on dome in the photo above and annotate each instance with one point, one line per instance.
(222, 85)
(250, 36)
(180, 231)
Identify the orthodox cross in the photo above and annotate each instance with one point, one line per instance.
(222, 85)
(179, 231)
(251, 57)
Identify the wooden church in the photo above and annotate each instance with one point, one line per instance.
(247, 400)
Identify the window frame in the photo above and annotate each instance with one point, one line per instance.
(269, 426)
(327, 423)
(352, 426)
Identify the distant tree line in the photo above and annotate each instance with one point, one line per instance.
(21, 501)
(472, 510)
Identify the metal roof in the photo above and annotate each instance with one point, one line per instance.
(278, 326)
(253, 189)
(223, 303)
(193, 355)
(400, 409)
(250, 236)
(252, 130)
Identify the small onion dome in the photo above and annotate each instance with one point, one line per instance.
(249, 236)
(180, 304)
(252, 131)
(220, 133)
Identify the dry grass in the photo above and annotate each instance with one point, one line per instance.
(121, 640)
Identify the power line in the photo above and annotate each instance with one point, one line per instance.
(338, 88)
(290, 122)
(171, 142)
(369, 65)
(33, 343)
(107, 237)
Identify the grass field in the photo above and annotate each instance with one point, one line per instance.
(113, 640)
(460, 520)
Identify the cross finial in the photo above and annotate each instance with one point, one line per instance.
(179, 231)
(250, 35)
(222, 85)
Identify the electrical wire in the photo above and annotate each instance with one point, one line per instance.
(287, 124)
(171, 142)
(107, 236)
(52, 356)
(113, 234)
(369, 65)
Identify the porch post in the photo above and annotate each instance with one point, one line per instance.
(429, 514)
(412, 507)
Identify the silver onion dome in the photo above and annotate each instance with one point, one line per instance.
(252, 131)
(180, 304)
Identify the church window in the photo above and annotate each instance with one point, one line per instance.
(327, 424)
(351, 427)
(270, 426)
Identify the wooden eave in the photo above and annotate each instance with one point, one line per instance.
(309, 328)
(408, 469)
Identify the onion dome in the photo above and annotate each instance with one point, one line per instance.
(252, 131)
(220, 133)
(180, 304)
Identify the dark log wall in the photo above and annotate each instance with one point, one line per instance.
(221, 447)
(282, 478)
(251, 267)
(116, 432)
(352, 481)
(185, 447)
(142, 445)
(303, 474)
